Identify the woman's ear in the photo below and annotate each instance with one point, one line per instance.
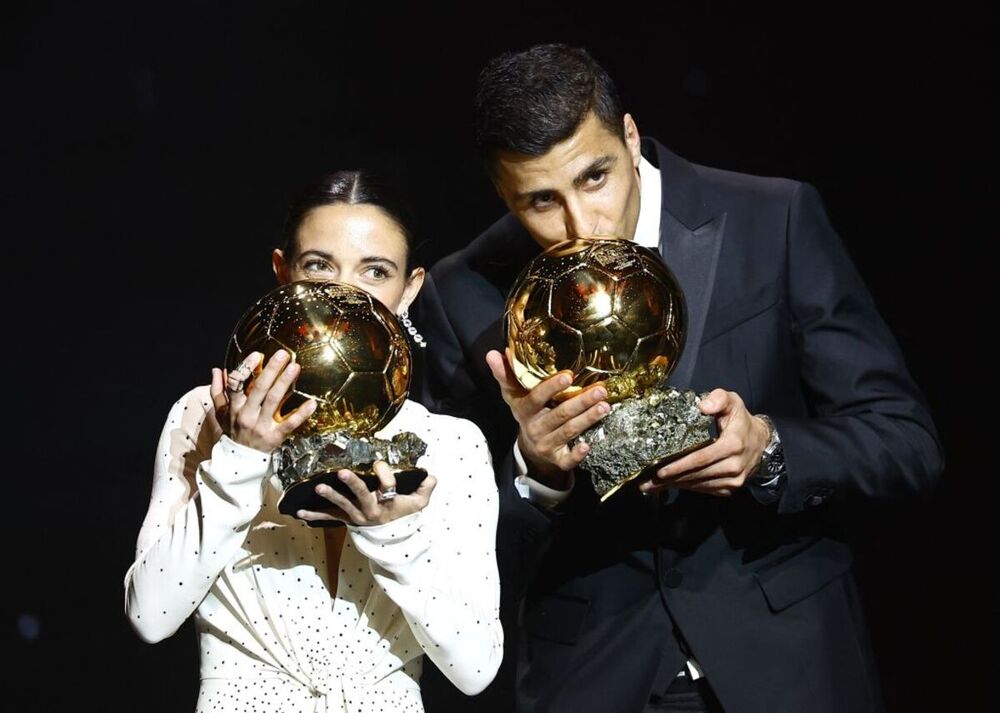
(413, 284)
(279, 266)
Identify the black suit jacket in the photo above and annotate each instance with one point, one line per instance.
(759, 594)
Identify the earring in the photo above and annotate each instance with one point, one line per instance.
(404, 317)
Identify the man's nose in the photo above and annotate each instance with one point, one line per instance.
(579, 221)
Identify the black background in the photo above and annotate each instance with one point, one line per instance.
(148, 154)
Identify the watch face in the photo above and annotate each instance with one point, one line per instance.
(774, 461)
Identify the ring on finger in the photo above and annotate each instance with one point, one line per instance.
(386, 495)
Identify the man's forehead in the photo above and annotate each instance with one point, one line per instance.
(591, 142)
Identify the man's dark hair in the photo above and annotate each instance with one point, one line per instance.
(529, 101)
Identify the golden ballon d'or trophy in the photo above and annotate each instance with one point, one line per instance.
(355, 362)
(611, 312)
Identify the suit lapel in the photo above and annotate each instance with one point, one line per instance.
(692, 255)
(691, 233)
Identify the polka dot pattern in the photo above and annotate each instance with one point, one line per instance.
(271, 634)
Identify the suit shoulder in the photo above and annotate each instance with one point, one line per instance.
(492, 245)
(757, 188)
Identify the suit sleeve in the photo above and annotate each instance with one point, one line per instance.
(869, 433)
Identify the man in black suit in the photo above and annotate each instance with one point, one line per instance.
(725, 582)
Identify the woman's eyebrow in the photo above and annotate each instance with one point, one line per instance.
(316, 253)
(375, 258)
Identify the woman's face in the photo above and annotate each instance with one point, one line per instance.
(356, 244)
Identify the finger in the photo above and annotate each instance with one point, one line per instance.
(218, 392)
(263, 383)
(718, 401)
(321, 516)
(349, 509)
(701, 458)
(570, 458)
(417, 500)
(572, 418)
(425, 488)
(504, 375)
(358, 488)
(299, 416)
(722, 487)
(279, 390)
(386, 478)
(727, 468)
(539, 397)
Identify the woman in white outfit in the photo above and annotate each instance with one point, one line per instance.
(298, 618)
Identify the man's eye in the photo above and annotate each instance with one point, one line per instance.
(595, 178)
(542, 200)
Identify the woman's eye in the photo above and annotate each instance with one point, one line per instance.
(377, 273)
(316, 266)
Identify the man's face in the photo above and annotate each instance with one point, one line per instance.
(585, 185)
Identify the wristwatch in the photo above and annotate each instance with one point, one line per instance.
(771, 471)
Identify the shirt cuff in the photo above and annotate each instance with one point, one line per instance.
(533, 491)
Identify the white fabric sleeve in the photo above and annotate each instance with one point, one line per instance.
(439, 564)
(533, 491)
(206, 491)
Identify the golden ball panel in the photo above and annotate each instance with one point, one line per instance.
(354, 357)
(605, 309)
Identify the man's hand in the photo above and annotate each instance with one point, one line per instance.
(722, 467)
(545, 432)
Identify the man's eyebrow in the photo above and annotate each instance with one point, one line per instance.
(599, 164)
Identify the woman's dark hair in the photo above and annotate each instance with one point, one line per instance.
(351, 188)
(529, 101)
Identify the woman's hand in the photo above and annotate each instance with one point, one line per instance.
(367, 507)
(252, 418)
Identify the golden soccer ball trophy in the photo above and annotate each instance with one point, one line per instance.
(611, 312)
(355, 362)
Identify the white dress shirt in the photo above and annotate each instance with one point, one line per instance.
(271, 634)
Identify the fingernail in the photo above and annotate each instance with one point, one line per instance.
(565, 380)
(600, 393)
(343, 476)
(584, 448)
(604, 408)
